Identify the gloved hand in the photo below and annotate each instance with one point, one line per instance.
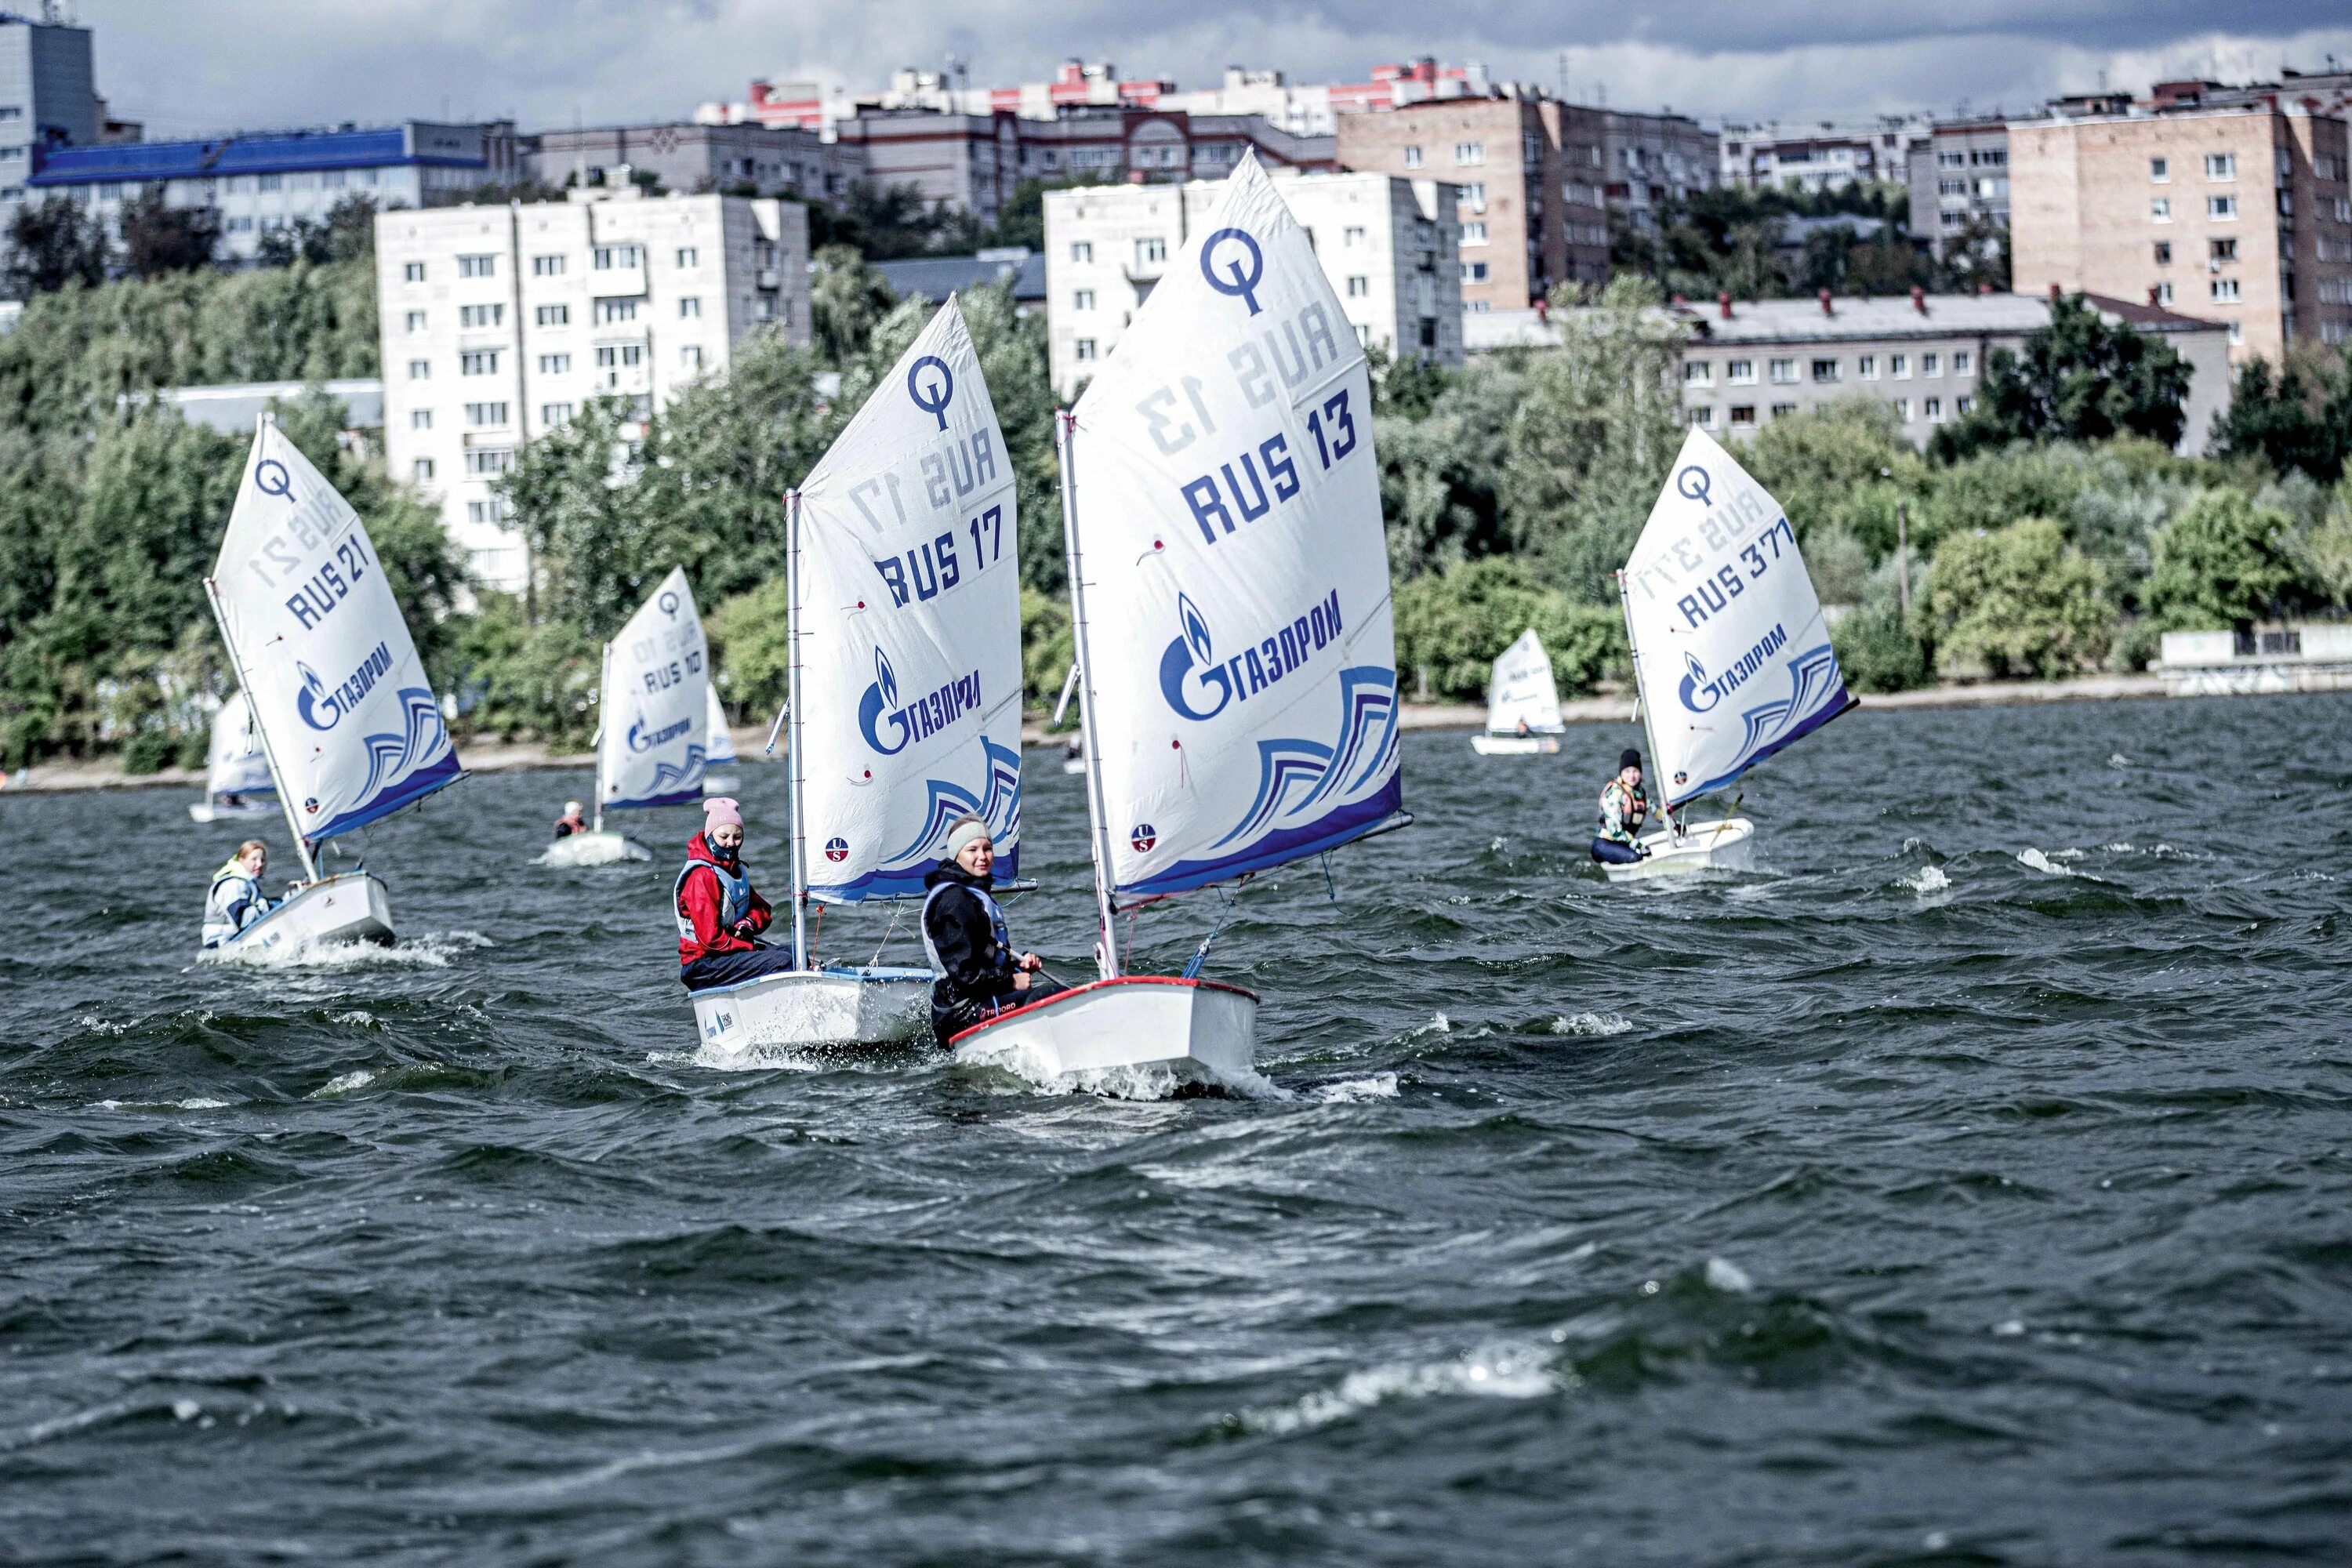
(743, 929)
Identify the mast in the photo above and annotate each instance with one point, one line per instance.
(268, 752)
(603, 716)
(1066, 430)
(1641, 700)
(793, 726)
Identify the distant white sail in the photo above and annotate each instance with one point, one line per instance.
(720, 751)
(1733, 657)
(236, 764)
(910, 628)
(1235, 566)
(333, 678)
(1521, 690)
(656, 704)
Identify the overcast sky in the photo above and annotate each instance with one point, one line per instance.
(193, 66)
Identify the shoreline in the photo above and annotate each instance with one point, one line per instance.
(107, 773)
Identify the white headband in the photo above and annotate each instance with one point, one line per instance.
(962, 833)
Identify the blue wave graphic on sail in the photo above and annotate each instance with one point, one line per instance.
(1366, 745)
(392, 758)
(1812, 675)
(669, 780)
(997, 803)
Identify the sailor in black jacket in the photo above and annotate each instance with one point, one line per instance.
(976, 973)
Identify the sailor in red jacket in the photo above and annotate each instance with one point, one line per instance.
(720, 916)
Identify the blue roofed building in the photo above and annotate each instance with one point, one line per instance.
(262, 183)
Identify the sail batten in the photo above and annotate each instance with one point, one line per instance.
(1730, 647)
(653, 743)
(346, 713)
(910, 628)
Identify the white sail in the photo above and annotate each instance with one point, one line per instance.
(1733, 656)
(720, 752)
(1521, 690)
(342, 698)
(236, 764)
(1227, 515)
(910, 628)
(656, 719)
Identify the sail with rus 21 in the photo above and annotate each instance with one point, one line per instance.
(348, 721)
(1229, 596)
(1730, 651)
(905, 604)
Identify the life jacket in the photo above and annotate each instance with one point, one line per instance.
(734, 895)
(229, 910)
(1636, 810)
(997, 929)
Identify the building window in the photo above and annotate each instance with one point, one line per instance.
(1474, 272)
(1413, 157)
(614, 356)
(1150, 251)
(1931, 365)
(415, 320)
(609, 256)
(494, 510)
(1740, 372)
(1903, 409)
(2237, 333)
(1703, 416)
(1474, 233)
(420, 419)
(1359, 286)
(689, 356)
(2221, 166)
(1469, 151)
(1935, 410)
(2223, 250)
(546, 267)
(2159, 209)
(420, 370)
(470, 317)
(481, 361)
(689, 308)
(2225, 291)
(1784, 372)
(611, 310)
(2159, 170)
(1474, 195)
(1866, 366)
(554, 315)
(2164, 253)
(421, 471)
(1743, 416)
(555, 364)
(272, 181)
(1083, 300)
(1086, 348)
(1782, 410)
(1962, 404)
(554, 415)
(478, 266)
(488, 460)
(412, 272)
(1899, 366)
(2164, 293)
(1082, 250)
(1698, 372)
(1961, 362)
(486, 414)
(2221, 209)
(689, 256)
(1825, 370)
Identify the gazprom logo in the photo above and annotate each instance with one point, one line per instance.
(323, 709)
(1189, 669)
(643, 740)
(920, 718)
(1699, 693)
(1193, 649)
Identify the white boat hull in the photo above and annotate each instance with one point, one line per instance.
(1136, 1020)
(815, 1007)
(350, 908)
(213, 811)
(1726, 845)
(594, 849)
(1515, 745)
(1074, 765)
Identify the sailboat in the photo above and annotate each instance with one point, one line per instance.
(720, 751)
(1522, 704)
(348, 724)
(1730, 652)
(904, 602)
(236, 774)
(1229, 593)
(654, 702)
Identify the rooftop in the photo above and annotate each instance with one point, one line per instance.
(936, 277)
(1803, 321)
(290, 153)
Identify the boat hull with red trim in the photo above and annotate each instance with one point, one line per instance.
(1133, 1021)
(834, 1005)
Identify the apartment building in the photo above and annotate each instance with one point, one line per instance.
(1824, 157)
(733, 160)
(47, 101)
(261, 184)
(2237, 213)
(1314, 109)
(500, 322)
(1651, 160)
(1528, 171)
(1389, 246)
(1960, 181)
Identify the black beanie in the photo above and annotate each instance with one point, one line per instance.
(1630, 758)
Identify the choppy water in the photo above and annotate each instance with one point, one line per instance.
(1968, 1186)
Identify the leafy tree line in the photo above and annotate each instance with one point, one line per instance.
(1730, 240)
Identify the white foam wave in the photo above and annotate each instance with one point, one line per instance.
(2034, 859)
(1495, 1372)
(738, 1058)
(196, 1103)
(1598, 1023)
(1925, 880)
(1439, 1024)
(97, 1025)
(1151, 1080)
(343, 1084)
(1356, 1090)
(1727, 1276)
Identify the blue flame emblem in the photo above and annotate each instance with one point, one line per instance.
(1696, 684)
(886, 678)
(313, 698)
(1191, 649)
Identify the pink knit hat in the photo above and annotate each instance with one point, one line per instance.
(721, 811)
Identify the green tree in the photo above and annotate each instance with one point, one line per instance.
(53, 242)
(2296, 416)
(159, 238)
(1879, 650)
(2020, 601)
(2223, 561)
(1454, 625)
(2081, 378)
(2323, 552)
(847, 298)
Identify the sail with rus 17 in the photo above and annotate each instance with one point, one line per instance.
(1229, 598)
(348, 721)
(1730, 651)
(1522, 704)
(236, 772)
(903, 597)
(653, 722)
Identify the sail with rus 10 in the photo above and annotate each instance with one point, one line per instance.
(348, 721)
(1522, 704)
(1730, 650)
(1230, 601)
(653, 724)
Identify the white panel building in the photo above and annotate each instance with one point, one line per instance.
(1392, 248)
(500, 322)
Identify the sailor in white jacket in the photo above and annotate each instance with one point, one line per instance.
(236, 899)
